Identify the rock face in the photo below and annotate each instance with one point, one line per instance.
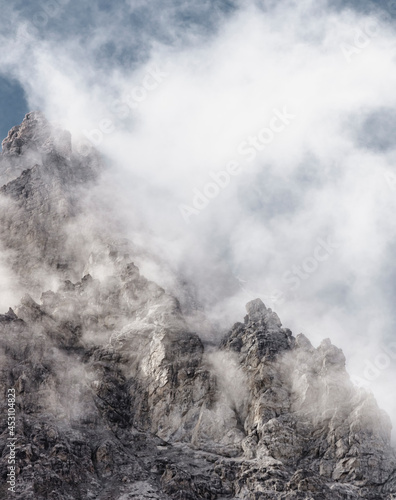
(117, 399)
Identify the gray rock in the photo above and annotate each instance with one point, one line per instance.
(117, 399)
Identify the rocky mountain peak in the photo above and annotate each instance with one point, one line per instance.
(256, 309)
(117, 399)
(35, 134)
(258, 312)
(42, 183)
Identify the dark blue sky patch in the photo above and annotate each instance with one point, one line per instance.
(13, 105)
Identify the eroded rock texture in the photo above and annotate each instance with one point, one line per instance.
(118, 400)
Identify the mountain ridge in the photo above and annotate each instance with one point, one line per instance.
(116, 397)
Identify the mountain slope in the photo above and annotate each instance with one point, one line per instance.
(117, 399)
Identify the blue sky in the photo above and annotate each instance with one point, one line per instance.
(13, 105)
(220, 73)
(71, 20)
(65, 20)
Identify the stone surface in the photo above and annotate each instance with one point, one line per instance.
(117, 399)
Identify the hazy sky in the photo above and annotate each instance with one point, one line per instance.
(251, 145)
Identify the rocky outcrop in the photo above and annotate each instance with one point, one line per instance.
(46, 184)
(304, 410)
(117, 399)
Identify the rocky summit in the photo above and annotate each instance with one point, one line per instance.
(115, 397)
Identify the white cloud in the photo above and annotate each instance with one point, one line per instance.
(316, 179)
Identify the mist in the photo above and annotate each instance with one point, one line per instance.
(250, 155)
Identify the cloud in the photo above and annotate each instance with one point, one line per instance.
(323, 176)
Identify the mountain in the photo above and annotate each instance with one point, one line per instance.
(115, 397)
